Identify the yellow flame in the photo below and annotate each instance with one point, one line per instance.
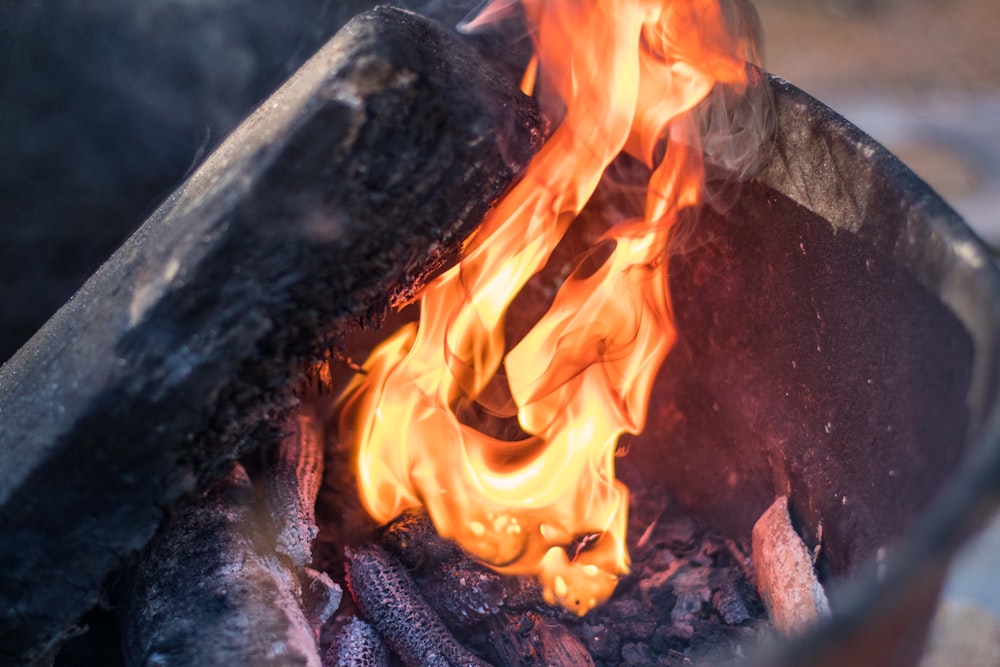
(627, 72)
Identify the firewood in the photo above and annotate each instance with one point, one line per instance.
(205, 593)
(336, 198)
(461, 590)
(291, 483)
(794, 598)
(388, 598)
(414, 540)
(320, 596)
(356, 644)
(531, 640)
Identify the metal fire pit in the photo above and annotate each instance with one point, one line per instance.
(839, 344)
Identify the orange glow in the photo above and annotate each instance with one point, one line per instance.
(627, 72)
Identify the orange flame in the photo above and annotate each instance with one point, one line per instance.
(628, 73)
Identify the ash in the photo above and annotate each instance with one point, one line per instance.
(689, 599)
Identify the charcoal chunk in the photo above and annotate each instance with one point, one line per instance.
(388, 598)
(356, 644)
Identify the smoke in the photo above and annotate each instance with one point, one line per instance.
(732, 127)
(735, 126)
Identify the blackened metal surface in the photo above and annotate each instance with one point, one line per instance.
(845, 327)
(340, 193)
(808, 364)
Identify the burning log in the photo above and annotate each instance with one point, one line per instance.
(336, 198)
(387, 596)
(413, 539)
(464, 594)
(205, 593)
(461, 591)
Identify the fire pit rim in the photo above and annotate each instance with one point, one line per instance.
(945, 256)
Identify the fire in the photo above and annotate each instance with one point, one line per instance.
(628, 74)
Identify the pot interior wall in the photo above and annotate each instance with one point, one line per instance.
(811, 364)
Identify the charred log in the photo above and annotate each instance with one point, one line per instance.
(205, 593)
(320, 596)
(336, 198)
(356, 644)
(291, 484)
(388, 598)
(532, 640)
(413, 539)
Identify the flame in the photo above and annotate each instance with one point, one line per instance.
(627, 73)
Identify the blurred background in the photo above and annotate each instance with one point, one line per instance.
(106, 106)
(920, 76)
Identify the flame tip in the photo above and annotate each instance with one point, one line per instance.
(624, 77)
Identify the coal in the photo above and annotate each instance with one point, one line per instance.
(356, 644)
(688, 599)
(335, 199)
(388, 598)
(531, 639)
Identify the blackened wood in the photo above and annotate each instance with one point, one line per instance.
(122, 119)
(532, 640)
(320, 596)
(356, 644)
(291, 483)
(388, 598)
(336, 198)
(462, 591)
(414, 540)
(205, 593)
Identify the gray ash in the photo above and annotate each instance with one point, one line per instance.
(688, 600)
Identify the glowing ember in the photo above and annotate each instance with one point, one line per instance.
(628, 73)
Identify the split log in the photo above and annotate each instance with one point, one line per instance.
(205, 593)
(335, 199)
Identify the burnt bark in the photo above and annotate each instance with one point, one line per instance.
(291, 483)
(207, 592)
(387, 596)
(337, 197)
(356, 644)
